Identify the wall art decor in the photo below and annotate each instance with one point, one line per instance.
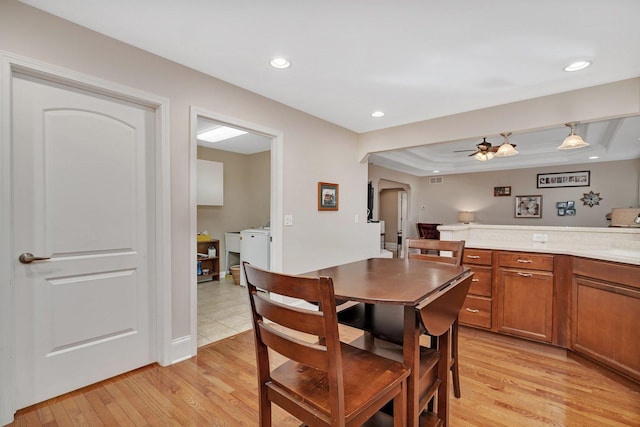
(327, 196)
(501, 191)
(564, 179)
(528, 206)
(591, 199)
(566, 208)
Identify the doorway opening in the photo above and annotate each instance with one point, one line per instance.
(393, 211)
(246, 155)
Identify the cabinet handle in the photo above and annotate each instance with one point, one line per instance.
(475, 280)
(473, 256)
(525, 274)
(524, 261)
(472, 310)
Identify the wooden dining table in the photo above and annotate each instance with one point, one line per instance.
(411, 284)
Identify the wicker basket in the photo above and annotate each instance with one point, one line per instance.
(235, 272)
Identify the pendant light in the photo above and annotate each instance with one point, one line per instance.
(506, 149)
(572, 141)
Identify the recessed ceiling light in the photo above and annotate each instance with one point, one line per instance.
(593, 157)
(577, 66)
(280, 63)
(377, 114)
(436, 171)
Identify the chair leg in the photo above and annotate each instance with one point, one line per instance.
(264, 406)
(400, 407)
(454, 355)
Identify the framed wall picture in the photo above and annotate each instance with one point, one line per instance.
(501, 191)
(327, 196)
(564, 179)
(528, 206)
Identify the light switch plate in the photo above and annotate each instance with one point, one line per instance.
(288, 220)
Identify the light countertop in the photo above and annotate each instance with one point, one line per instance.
(604, 243)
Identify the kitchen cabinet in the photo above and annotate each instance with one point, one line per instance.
(525, 287)
(477, 308)
(209, 183)
(606, 314)
(208, 263)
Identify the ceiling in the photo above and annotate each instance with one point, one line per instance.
(609, 140)
(413, 59)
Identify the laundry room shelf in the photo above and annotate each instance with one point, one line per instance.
(212, 264)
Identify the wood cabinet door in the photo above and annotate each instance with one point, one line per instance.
(525, 303)
(609, 336)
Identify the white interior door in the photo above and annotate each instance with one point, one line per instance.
(83, 173)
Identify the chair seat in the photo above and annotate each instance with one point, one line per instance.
(366, 376)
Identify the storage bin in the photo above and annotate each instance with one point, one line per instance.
(235, 272)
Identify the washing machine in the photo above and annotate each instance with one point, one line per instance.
(255, 248)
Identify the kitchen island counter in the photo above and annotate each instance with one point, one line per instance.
(616, 244)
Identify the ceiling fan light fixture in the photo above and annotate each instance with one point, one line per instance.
(506, 149)
(572, 141)
(484, 156)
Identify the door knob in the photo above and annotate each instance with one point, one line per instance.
(28, 258)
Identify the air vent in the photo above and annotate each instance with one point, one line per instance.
(435, 180)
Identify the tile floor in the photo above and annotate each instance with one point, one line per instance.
(223, 310)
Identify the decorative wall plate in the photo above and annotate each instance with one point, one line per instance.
(590, 199)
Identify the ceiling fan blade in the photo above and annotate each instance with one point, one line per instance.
(473, 154)
(462, 151)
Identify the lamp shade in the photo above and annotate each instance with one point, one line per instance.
(466, 217)
(506, 150)
(572, 141)
(484, 156)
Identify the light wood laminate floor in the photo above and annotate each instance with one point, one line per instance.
(506, 382)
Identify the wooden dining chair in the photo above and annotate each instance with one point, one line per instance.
(323, 382)
(450, 252)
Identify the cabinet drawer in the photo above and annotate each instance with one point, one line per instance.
(476, 311)
(481, 282)
(477, 256)
(526, 260)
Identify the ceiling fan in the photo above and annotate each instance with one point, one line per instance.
(483, 147)
(486, 151)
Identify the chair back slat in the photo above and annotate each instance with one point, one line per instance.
(431, 250)
(310, 354)
(292, 286)
(309, 322)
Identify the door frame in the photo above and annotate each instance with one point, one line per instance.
(11, 64)
(276, 220)
(403, 201)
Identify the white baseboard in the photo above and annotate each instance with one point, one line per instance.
(181, 349)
